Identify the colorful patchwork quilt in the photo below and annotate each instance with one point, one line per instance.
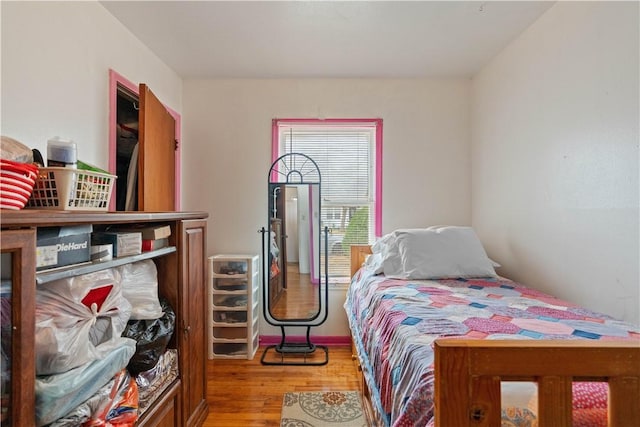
(395, 322)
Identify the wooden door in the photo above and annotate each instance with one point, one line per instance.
(156, 155)
(193, 335)
(18, 400)
(281, 208)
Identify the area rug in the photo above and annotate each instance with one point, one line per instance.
(322, 409)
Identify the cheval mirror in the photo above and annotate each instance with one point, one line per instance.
(295, 282)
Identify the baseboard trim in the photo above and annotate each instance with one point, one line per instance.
(319, 340)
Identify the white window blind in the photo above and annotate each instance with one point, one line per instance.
(345, 155)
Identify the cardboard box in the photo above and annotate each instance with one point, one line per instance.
(150, 232)
(123, 243)
(60, 246)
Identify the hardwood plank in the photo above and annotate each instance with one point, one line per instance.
(485, 401)
(623, 400)
(452, 374)
(245, 393)
(45, 217)
(554, 401)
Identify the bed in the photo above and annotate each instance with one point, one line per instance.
(484, 351)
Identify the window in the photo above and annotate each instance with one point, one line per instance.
(348, 154)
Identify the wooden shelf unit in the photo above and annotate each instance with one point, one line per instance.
(181, 281)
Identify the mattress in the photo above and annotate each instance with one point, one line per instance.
(395, 322)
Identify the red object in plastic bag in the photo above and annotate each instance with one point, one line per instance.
(274, 268)
(121, 409)
(97, 296)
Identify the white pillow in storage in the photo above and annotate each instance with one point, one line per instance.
(437, 253)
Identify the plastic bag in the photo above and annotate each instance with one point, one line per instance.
(152, 337)
(153, 382)
(168, 362)
(78, 320)
(82, 413)
(121, 408)
(140, 287)
(57, 395)
(13, 150)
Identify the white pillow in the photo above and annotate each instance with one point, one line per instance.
(436, 253)
(387, 259)
(389, 256)
(382, 245)
(435, 227)
(373, 262)
(379, 251)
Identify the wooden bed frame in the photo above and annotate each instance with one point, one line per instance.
(468, 375)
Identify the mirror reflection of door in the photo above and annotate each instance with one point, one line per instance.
(294, 286)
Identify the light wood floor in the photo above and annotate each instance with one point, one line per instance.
(245, 393)
(300, 299)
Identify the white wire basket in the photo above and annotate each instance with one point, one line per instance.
(71, 189)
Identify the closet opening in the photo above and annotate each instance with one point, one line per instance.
(127, 121)
(144, 148)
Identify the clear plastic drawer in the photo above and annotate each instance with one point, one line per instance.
(230, 301)
(230, 316)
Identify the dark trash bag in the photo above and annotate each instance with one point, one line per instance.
(152, 337)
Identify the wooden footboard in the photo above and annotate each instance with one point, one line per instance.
(468, 375)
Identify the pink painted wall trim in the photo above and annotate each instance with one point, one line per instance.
(115, 80)
(378, 189)
(275, 149)
(319, 340)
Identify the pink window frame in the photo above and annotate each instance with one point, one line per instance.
(115, 80)
(377, 123)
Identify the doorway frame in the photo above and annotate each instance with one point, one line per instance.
(116, 79)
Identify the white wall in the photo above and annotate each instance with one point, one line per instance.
(554, 134)
(55, 73)
(555, 156)
(227, 126)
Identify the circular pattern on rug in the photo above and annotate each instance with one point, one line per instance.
(332, 406)
(291, 422)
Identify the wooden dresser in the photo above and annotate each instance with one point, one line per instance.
(181, 281)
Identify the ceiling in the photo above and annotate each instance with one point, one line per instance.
(326, 39)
